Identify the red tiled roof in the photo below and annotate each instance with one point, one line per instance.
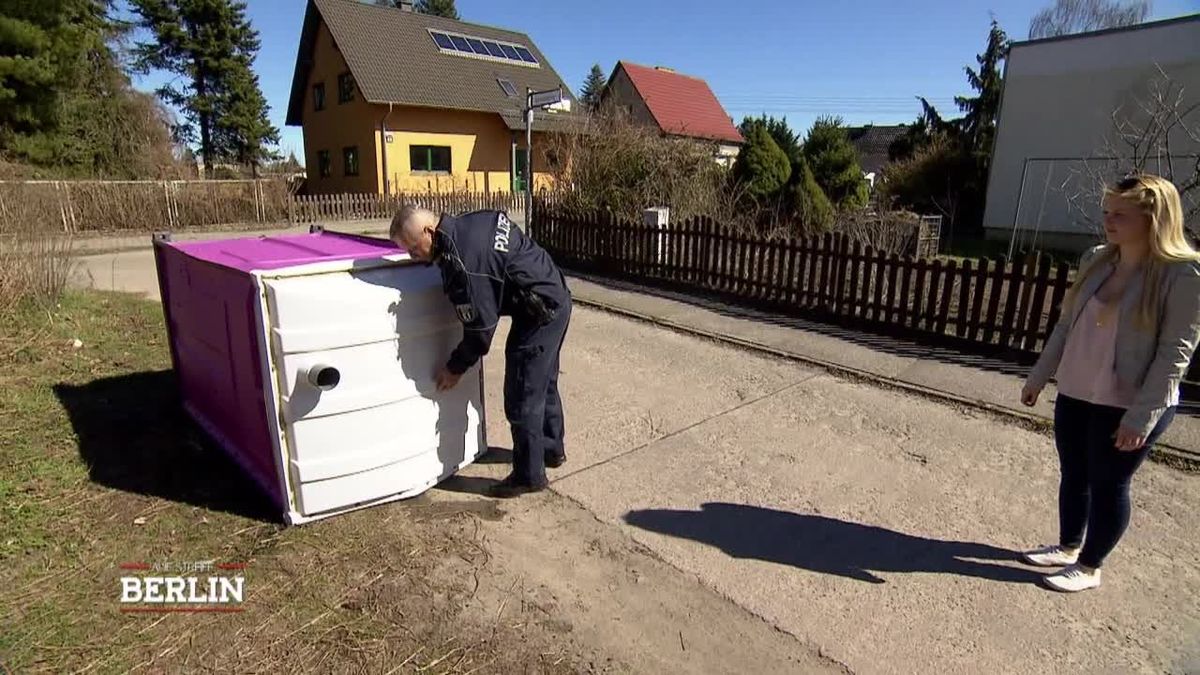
(682, 105)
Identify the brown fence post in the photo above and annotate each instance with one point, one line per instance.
(993, 305)
(1037, 307)
(948, 279)
(907, 266)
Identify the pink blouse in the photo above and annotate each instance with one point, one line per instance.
(1087, 371)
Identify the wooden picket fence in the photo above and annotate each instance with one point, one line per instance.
(304, 209)
(1000, 306)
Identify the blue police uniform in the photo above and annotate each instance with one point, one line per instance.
(491, 269)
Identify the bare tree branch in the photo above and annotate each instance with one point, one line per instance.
(1145, 136)
(1065, 17)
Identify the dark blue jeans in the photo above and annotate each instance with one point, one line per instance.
(1094, 491)
(531, 401)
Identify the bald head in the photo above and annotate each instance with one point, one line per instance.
(412, 229)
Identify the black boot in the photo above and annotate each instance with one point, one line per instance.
(555, 461)
(513, 487)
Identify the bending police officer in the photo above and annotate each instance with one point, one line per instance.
(491, 269)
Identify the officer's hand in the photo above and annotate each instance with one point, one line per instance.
(445, 379)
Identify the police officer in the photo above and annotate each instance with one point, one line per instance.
(491, 269)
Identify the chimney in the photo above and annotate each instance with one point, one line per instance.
(404, 5)
(664, 69)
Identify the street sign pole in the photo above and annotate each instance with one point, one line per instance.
(533, 101)
(528, 157)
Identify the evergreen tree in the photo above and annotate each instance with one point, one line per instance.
(593, 87)
(953, 157)
(980, 111)
(210, 44)
(834, 163)
(919, 133)
(444, 8)
(780, 132)
(243, 128)
(809, 204)
(65, 103)
(32, 36)
(761, 166)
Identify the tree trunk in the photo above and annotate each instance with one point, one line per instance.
(206, 145)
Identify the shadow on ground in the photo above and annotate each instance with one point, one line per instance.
(496, 455)
(134, 436)
(879, 343)
(827, 545)
(475, 485)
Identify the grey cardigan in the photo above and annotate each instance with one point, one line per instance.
(1152, 362)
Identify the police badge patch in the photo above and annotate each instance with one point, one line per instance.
(466, 313)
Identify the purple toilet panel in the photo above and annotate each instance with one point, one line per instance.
(215, 340)
(275, 252)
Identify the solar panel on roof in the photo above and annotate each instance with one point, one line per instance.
(480, 47)
(526, 55)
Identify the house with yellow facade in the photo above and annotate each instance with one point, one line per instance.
(391, 100)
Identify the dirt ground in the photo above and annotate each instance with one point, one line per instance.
(719, 512)
(874, 525)
(100, 467)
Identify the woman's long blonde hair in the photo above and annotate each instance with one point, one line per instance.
(1159, 202)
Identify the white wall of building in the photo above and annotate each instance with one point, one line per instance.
(1059, 100)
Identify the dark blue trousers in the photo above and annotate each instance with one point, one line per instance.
(1094, 490)
(531, 401)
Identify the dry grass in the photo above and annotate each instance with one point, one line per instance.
(146, 206)
(34, 266)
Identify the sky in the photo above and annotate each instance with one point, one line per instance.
(863, 60)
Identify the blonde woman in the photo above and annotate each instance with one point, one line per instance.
(1128, 329)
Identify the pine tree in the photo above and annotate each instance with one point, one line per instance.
(31, 34)
(834, 163)
(761, 166)
(593, 88)
(210, 44)
(243, 128)
(809, 204)
(444, 8)
(65, 102)
(952, 157)
(980, 111)
(780, 132)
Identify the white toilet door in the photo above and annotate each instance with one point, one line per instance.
(355, 353)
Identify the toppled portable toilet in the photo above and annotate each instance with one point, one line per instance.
(310, 359)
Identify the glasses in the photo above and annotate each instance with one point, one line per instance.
(1134, 181)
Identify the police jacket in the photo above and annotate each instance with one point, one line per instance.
(491, 269)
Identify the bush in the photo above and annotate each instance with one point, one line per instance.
(809, 204)
(616, 166)
(35, 264)
(889, 231)
(931, 180)
(834, 164)
(762, 168)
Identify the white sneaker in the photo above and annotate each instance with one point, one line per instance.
(1073, 579)
(1051, 556)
